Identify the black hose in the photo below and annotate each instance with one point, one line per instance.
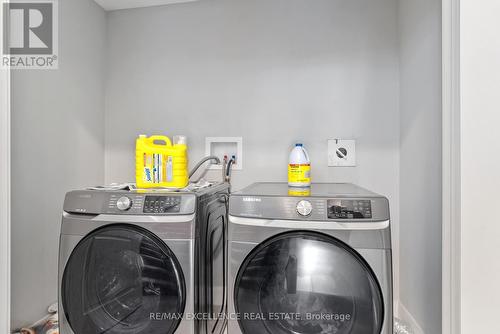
(229, 165)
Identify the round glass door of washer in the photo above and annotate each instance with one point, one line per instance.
(117, 277)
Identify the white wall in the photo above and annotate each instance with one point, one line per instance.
(420, 214)
(57, 145)
(274, 72)
(480, 143)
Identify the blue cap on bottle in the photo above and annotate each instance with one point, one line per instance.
(299, 145)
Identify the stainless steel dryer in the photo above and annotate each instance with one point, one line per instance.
(129, 261)
(312, 261)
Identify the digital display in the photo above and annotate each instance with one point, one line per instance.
(162, 204)
(349, 209)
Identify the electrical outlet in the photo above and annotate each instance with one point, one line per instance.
(225, 146)
(341, 153)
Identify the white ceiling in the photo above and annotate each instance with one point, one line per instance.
(123, 4)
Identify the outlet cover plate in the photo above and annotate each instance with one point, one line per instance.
(220, 146)
(341, 152)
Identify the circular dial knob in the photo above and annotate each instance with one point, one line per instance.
(304, 208)
(124, 203)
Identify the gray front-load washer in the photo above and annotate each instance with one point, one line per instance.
(136, 262)
(309, 261)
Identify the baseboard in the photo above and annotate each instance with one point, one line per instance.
(403, 314)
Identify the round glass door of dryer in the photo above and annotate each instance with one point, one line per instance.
(307, 283)
(123, 279)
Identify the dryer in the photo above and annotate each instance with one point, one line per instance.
(312, 261)
(129, 261)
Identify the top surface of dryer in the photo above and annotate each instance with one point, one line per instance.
(321, 202)
(316, 190)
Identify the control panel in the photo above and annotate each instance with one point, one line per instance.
(311, 208)
(162, 204)
(150, 204)
(349, 209)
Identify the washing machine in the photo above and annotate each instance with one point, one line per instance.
(137, 262)
(309, 261)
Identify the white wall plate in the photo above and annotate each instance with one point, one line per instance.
(341, 152)
(221, 146)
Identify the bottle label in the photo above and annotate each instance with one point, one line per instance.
(299, 173)
(157, 168)
(299, 191)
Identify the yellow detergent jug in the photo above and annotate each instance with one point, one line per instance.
(159, 164)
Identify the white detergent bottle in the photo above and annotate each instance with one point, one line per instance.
(299, 167)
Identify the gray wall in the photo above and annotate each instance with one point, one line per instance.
(273, 72)
(57, 145)
(420, 221)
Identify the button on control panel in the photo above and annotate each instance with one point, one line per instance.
(162, 204)
(124, 203)
(293, 208)
(304, 208)
(129, 204)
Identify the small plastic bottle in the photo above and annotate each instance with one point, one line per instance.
(299, 167)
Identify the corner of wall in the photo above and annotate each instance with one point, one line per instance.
(408, 318)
